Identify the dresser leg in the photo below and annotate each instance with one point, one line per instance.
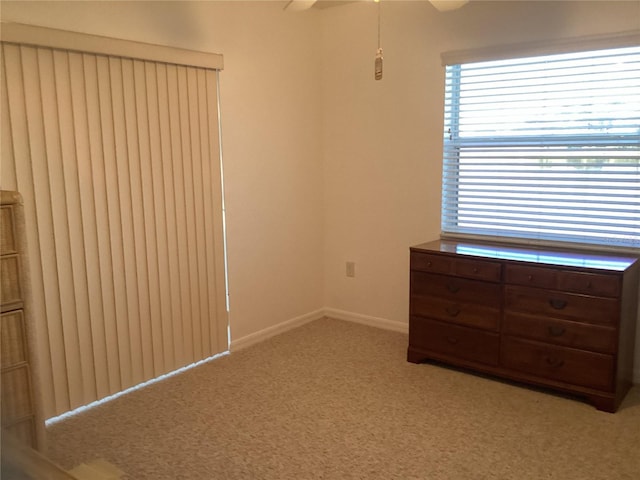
(605, 404)
(414, 356)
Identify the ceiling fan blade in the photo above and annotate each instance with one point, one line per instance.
(299, 5)
(440, 5)
(444, 5)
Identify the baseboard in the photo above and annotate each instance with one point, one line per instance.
(282, 327)
(367, 320)
(269, 332)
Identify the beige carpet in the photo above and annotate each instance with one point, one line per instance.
(336, 400)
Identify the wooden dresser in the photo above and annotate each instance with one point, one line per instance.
(21, 415)
(562, 319)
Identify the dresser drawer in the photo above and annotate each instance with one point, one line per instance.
(562, 305)
(462, 313)
(462, 267)
(478, 269)
(589, 283)
(12, 339)
(453, 340)
(455, 288)
(7, 233)
(577, 367)
(16, 396)
(10, 278)
(530, 276)
(23, 430)
(561, 332)
(567, 280)
(431, 263)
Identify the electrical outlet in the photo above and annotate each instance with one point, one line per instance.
(351, 269)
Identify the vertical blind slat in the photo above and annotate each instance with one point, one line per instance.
(162, 256)
(192, 226)
(181, 280)
(7, 167)
(153, 333)
(207, 209)
(185, 192)
(192, 235)
(132, 331)
(172, 278)
(89, 222)
(114, 223)
(198, 216)
(220, 336)
(180, 331)
(141, 334)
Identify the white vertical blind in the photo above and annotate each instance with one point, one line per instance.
(118, 163)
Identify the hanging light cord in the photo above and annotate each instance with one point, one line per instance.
(378, 62)
(378, 2)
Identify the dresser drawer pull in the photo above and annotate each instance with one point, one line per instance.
(554, 362)
(453, 311)
(453, 288)
(556, 331)
(557, 303)
(452, 340)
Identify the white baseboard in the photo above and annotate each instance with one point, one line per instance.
(367, 320)
(282, 327)
(269, 332)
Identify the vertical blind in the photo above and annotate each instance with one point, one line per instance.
(118, 162)
(544, 148)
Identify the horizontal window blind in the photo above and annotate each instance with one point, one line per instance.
(544, 148)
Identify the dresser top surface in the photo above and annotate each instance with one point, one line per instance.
(543, 256)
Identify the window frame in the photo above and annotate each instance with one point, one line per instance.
(506, 52)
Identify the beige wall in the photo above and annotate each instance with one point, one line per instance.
(322, 163)
(383, 140)
(270, 122)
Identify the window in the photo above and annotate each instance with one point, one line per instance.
(544, 148)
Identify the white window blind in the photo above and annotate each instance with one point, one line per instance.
(544, 148)
(118, 161)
